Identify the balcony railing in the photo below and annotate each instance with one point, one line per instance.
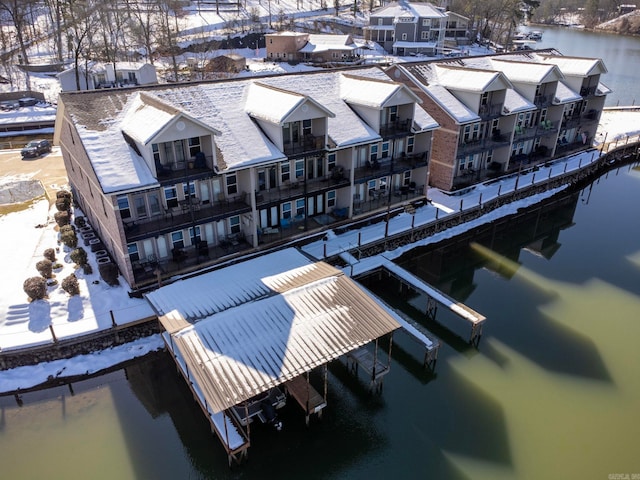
(495, 141)
(388, 166)
(396, 128)
(307, 144)
(487, 112)
(338, 178)
(177, 172)
(184, 215)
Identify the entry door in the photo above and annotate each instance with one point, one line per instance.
(310, 207)
(204, 192)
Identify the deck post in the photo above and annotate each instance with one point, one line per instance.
(432, 308)
(306, 405)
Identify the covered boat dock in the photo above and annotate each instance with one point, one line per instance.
(241, 331)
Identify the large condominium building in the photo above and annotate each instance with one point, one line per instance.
(502, 113)
(176, 177)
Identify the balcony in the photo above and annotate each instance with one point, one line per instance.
(308, 144)
(185, 215)
(180, 172)
(543, 101)
(338, 178)
(397, 128)
(388, 166)
(588, 91)
(495, 141)
(205, 254)
(489, 112)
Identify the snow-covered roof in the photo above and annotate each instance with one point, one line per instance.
(576, 66)
(516, 103)
(367, 92)
(527, 72)
(322, 43)
(284, 323)
(565, 95)
(274, 104)
(146, 117)
(450, 104)
(407, 9)
(103, 115)
(471, 80)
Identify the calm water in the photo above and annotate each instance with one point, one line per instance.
(553, 391)
(621, 55)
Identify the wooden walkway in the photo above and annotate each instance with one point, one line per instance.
(370, 363)
(435, 297)
(307, 397)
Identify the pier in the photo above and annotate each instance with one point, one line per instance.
(435, 297)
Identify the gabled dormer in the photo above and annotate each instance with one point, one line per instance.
(537, 82)
(294, 122)
(481, 91)
(167, 138)
(387, 107)
(581, 74)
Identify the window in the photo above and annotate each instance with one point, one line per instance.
(406, 178)
(140, 206)
(426, 22)
(424, 35)
(232, 184)
(156, 153)
(372, 185)
(134, 255)
(171, 197)
(393, 113)
(234, 225)
(484, 98)
(380, 21)
(300, 207)
(154, 203)
(383, 183)
(331, 161)
(189, 189)
(410, 144)
(299, 169)
(177, 239)
(466, 163)
(331, 199)
(306, 127)
(285, 172)
(385, 149)
(404, 36)
(194, 146)
(373, 155)
(194, 235)
(286, 210)
(123, 206)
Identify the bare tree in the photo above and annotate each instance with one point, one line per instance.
(54, 8)
(81, 24)
(19, 12)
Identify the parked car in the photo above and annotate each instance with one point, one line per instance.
(35, 148)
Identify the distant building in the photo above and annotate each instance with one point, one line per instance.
(103, 75)
(306, 47)
(405, 28)
(230, 63)
(457, 30)
(626, 8)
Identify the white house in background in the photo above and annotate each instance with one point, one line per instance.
(103, 75)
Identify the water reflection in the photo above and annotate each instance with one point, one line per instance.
(553, 391)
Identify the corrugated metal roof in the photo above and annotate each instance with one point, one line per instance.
(241, 352)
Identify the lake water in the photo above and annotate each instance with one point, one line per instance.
(552, 392)
(621, 55)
